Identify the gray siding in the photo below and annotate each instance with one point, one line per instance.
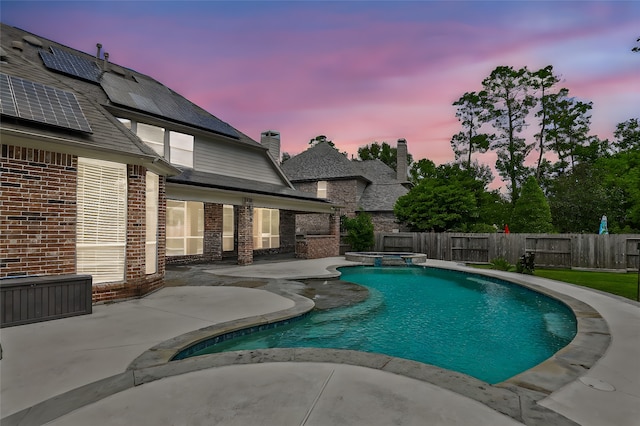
(233, 160)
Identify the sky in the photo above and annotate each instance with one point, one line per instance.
(357, 72)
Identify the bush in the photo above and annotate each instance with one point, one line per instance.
(501, 264)
(526, 265)
(359, 232)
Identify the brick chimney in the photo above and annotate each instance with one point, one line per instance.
(271, 140)
(402, 162)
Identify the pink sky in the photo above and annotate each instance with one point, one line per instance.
(356, 72)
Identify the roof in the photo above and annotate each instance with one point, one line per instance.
(107, 136)
(190, 176)
(320, 162)
(104, 91)
(324, 162)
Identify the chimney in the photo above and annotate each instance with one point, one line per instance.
(271, 141)
(401, 160)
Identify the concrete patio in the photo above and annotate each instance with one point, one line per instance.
(108, 367)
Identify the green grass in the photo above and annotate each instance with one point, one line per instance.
(621, 284)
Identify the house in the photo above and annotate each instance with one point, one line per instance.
(107, 172)
(359, 186)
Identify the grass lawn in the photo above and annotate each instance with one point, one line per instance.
(625, 285)
(620, 284)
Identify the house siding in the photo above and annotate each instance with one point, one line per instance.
(226, 159)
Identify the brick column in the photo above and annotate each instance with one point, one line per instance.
(136, 227)
(245, 232)
(212, 245)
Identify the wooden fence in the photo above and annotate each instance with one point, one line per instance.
(588, 251)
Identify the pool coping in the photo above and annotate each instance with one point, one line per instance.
(516, 397)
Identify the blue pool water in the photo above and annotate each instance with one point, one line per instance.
(480, 326)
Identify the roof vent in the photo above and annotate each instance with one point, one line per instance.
(32, 41)
(105, 65)
(99, 46)
(17, 45)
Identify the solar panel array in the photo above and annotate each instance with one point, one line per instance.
(40, 103)
(150, 96)
(68, 63)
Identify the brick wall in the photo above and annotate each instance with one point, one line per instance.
(386, 222)
(212, 244)
(245, 233)
(37, 212)
(137, 282)
(342, 192)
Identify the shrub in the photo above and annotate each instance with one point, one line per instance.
(526, 265)
(501, 264)
(359, 232)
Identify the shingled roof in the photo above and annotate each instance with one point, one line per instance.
(324, 162)
(320, 162)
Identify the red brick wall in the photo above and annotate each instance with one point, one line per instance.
(37, 212)
(212, 244)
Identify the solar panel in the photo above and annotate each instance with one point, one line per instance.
(68, 63)
(150, 96)
(44, 104)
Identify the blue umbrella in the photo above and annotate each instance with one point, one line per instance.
(603, 226)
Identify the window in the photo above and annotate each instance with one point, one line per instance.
(266, 228)
(153, 136)
(185, 228)
(228, 228)
(176, 147)
(151, 202)
(322, 189)
(181, 149)
(101, 232)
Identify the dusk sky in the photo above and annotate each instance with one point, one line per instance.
(355, 71)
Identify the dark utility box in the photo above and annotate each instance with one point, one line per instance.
(24, 300)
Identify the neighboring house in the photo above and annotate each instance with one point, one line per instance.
(107, 172)
(359, 186)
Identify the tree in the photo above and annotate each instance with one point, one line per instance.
(360, 234)
(321, 138)
(627, 135)
(383, 152)
(448, 198)
(421, 169)
(542, 81)
(508, 104)
(531, 212)
(471, 113)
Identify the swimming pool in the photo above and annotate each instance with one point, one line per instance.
(481, 326)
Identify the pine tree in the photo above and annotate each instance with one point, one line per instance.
(531, 212)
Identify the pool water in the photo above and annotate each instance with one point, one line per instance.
(480, 326)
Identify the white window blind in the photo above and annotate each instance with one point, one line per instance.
(181, 149)
(266, 228)
(101, 219)
(228, 228)
(151, 202)
(152, 136)
(322, 189)
(185, 227)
